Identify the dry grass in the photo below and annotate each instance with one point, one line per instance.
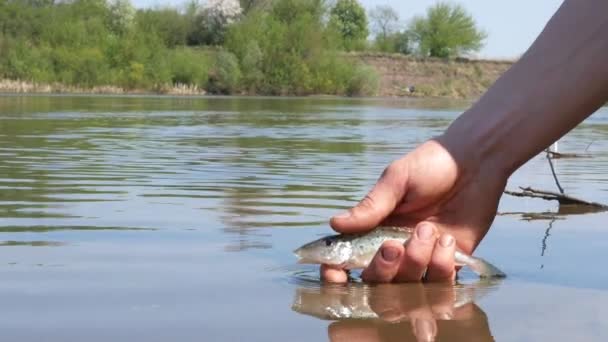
(16, 86)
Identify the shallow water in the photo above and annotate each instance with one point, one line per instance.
(153, 218)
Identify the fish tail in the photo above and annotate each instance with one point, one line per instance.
(480, 266)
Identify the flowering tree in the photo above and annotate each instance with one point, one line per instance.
(214, 18)
(122, 14)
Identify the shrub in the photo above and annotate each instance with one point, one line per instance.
(225, 74)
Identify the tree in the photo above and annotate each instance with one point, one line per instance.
(384, 20)
(446, 31)
(122, 14)
(349, 19)
(213, 20)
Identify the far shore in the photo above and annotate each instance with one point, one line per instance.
(399, 77)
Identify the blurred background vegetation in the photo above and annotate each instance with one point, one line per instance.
(266, 47)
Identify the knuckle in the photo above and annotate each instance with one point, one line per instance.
(392, 169)
(368, 201)
(416, 258)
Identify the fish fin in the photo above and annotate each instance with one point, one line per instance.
(480, 266)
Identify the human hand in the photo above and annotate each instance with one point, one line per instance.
(444, 193)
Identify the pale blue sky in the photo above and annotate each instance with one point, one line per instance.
(511, 25)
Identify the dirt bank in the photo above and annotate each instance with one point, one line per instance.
(460, 79)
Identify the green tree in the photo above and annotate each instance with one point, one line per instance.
(167, 23)
(448, 30)
(348, 18)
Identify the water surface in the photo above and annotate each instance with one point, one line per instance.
(156, 218)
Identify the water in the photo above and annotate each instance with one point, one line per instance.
(152, 218)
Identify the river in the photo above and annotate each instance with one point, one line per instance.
(174, 218)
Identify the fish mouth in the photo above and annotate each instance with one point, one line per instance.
(303, 258)
(299, 253)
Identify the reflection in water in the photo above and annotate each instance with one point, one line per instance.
(544, 242)
(399, 312)
(32, 243)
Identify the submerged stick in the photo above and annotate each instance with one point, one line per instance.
(554, 196)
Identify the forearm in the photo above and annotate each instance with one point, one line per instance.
(560, 80)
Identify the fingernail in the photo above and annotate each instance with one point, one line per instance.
(341, 215)
(390, 254)
(446, 241)
(425, 231)
(425, 330)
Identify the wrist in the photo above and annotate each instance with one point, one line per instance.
(481, 145)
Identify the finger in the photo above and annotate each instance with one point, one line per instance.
(441, 298)
(441, 268)
(395, 303)
(467, 312)
(332, 274)
(425, 329)
(385, 264)
(377, 204)
(418, 251)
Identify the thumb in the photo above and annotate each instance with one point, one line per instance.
(375, 206)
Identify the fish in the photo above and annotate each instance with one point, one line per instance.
(354, 302)
(356, 251)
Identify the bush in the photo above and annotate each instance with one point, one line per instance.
(398, 42)
(225, 74)
(189, 67)
(279, 47)
(251, 63)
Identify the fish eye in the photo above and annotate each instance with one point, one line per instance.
(327, 242)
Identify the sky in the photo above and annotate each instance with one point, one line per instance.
(512, 26)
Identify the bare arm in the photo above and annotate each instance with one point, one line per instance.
(558, 82)
(452, 185)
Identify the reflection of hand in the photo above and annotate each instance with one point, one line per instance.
(440, 195)
(416, 312)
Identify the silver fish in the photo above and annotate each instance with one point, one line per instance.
(352, 251)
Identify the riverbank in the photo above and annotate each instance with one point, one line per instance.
(399, 76)
(402, 75)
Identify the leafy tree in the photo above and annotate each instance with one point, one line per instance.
(170, 25)
(349, 19)
(384, 20)
(446, 31)
(249, 5)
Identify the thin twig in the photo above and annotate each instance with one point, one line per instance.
(554, 175)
